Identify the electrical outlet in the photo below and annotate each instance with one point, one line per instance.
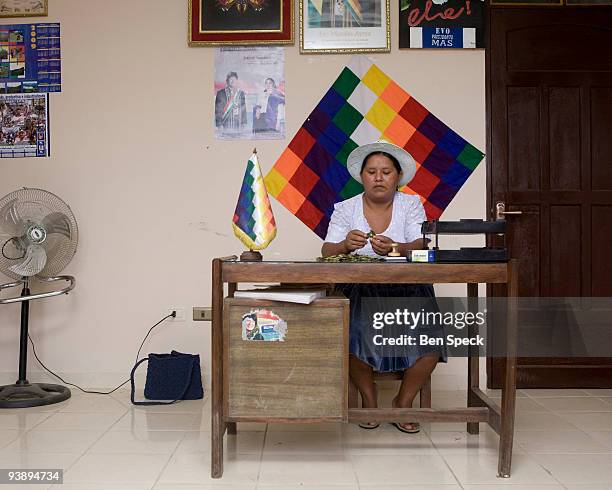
(202, 314)
(180, 314)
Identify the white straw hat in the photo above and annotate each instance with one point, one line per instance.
(405, 159)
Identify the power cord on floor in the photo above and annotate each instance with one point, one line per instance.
(171, 315)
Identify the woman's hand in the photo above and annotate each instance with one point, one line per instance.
(381, 244)
(354, 240)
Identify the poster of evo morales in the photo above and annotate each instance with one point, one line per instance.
(249, 93)
(441, 24)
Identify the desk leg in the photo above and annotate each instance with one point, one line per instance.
(506, 437)
(231, 426)
(217, 421)
(473, 358)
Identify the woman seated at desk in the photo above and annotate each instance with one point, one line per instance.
(393, 217)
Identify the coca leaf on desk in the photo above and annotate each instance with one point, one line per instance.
(349, 258)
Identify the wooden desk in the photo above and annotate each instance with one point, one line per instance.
(481, 408)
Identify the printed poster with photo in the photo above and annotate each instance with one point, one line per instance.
(24, 125)
(249, 93)
(447, 24)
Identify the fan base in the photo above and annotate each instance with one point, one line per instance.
(32, 395)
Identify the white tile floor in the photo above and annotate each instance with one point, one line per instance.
(563, 441)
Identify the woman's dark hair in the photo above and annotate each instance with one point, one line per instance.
(395, 161)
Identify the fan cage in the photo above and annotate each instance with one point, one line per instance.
(32, 206)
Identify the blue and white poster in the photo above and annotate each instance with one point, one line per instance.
(30, 58)
(441, 24)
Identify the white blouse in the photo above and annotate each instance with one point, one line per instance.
(405, 226)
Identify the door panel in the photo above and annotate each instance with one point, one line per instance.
(554, 40)
(564, 138)
(565, 251)
(600, 245)
(601, 145)
(525, 239)
(523, 131)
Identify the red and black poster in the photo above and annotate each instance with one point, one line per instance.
(442, 24)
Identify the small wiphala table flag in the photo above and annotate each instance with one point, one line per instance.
(253, 220)
(362, 106)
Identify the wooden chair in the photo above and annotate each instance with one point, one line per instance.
(424, 394)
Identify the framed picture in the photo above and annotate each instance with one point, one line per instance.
(235, 22)
(23, 8)
(344, 26)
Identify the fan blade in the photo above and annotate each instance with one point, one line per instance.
(34, 262)
(10, 221)
(57, 223)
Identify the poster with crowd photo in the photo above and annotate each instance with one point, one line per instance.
(24, 125)
(442, 24)
(249, 93)
(30, 58)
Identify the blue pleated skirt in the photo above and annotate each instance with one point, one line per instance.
(360, 326)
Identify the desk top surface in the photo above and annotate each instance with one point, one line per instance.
(369, 272)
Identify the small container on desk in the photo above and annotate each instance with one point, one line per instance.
(302, 378)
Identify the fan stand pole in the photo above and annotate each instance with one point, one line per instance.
(23, 337)
(24, 394)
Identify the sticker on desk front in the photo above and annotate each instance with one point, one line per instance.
(263, 325)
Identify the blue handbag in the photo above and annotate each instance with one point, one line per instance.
(175, 376)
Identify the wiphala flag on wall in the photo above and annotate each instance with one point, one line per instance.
(362, 106)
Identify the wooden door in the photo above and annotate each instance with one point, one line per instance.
(549, 84)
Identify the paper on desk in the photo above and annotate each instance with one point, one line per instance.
(304, 297)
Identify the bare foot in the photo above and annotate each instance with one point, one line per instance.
(371, 425)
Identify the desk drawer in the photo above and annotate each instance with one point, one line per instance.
(302, 378)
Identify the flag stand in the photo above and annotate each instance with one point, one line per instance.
(250, 256)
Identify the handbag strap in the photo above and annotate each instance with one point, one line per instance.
(132, 394)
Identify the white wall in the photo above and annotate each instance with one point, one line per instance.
(134, 156)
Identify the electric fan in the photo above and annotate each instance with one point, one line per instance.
(38, 237)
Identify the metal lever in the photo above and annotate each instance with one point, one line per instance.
(50, 294)
(500, 211)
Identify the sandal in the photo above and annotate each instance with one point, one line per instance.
(406, 427)
(415, 427)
